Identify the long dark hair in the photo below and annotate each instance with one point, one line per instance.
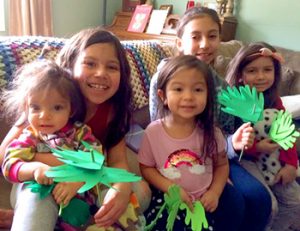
(120, 122)
(205, 120)
(245, 56)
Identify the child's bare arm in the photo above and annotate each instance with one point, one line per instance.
(115, 201)
(153, 177)
(210, 199)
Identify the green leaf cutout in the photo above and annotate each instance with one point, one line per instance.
(173, 203)
(41, 189)
(243, 102)
(87, 167)
(197, 218)
(91, 159)
(76, 213)
(283, 131)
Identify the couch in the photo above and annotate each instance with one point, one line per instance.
(143, 56)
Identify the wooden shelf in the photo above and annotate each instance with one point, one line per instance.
(122, 19)
(119, 28)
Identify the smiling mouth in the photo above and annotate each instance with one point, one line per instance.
(97, 86)
(46, 126)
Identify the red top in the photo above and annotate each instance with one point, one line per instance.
(98, 123)
(287, 157)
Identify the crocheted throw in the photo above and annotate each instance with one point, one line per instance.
(143, 57)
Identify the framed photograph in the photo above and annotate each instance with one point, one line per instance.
(157, 21)
(140, 18)
(166, 7)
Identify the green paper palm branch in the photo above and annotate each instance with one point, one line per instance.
(87, 167)
(283, 131)
(243, 102)
(105, 175)
(197, 218)
(173, 203)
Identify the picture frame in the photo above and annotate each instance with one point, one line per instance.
(140, 18)
(166, 7)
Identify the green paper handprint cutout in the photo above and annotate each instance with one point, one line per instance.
(244, 102)
(173, 203)
(283, 131)
(83, 159)
(87, 167)
(197, 218)
(105, 175)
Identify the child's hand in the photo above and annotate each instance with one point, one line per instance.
(113, 206)
(286, 175)
(39, 174)
(186, 198)
(266, 146)
(243, 137)
(63, 192)
(210, 201)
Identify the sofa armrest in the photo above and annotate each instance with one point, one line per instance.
(292, 105)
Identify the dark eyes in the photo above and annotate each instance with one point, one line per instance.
(89, 63)
(34, 107)
(199, 37)
(58, 107)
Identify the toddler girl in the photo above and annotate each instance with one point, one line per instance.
(185, 147)
(53, 106)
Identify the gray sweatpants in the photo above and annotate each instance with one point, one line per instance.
(285, 200)
(30, 212)
(33, 214)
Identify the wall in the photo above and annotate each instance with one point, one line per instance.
(273, 21)
(70, 16)
(276, 22)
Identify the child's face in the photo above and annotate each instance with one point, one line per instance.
(48, 111)
(259, 73)
(186, 94)
(201, 37)
(97, 69)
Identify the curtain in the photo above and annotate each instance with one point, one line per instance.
(30, 17)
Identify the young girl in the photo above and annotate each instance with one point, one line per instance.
(198, 34)
(104, 82)
(54, 107)
(259, 65)
(184, 147)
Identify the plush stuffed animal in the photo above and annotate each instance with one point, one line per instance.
(268, 164)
